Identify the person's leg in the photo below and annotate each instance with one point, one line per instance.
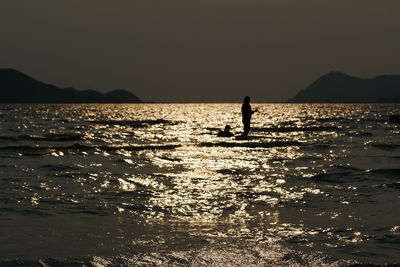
(246, 127)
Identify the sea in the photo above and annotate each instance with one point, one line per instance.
(153, 185)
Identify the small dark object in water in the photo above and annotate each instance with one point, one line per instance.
(226, 132)
(394, 119)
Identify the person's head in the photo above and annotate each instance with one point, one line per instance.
(227, 128)
(246, 99)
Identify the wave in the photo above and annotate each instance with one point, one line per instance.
(395, 185)
(136, 148)
(27, 150)
(170, 159)
(57, 167)
(322, 145)
(46, 137)
(82, 147)
(346, 167)
(332, 177)
(358, 133)
(305, 158)
(251, 137)
(133, 123)
(343, 173)
(212, 129)
(201, 256)
(297, 129)
(393, 171)
(231, 172)
(338, 173)
(252, 144)
(385, 145)
(349, 120)
(26, 212)
(331, 119)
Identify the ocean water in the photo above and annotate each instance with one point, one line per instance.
(152, 184)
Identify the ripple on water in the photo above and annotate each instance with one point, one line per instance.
(210, 256)
(112, 180)
(252, 144)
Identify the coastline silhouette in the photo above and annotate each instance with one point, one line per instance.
(17, 87)
(247, 112)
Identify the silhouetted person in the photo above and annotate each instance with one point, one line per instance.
(246, 115)
(226, 132)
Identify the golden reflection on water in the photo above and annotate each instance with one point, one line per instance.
(213, 186)
(148, 163)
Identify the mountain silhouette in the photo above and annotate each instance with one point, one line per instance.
(16, 87)
(337, 87)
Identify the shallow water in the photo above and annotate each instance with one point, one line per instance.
(152, 184)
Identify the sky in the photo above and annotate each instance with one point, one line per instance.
(199, 51)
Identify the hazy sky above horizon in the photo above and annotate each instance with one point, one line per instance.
(206, 50)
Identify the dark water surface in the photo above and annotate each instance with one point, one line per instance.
(152, 184)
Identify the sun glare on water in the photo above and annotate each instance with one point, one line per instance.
(157, 176)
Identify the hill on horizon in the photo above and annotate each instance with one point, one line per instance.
(17, 87)
(338, 87)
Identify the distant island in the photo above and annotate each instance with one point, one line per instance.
(16, 87)
(337, 87)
